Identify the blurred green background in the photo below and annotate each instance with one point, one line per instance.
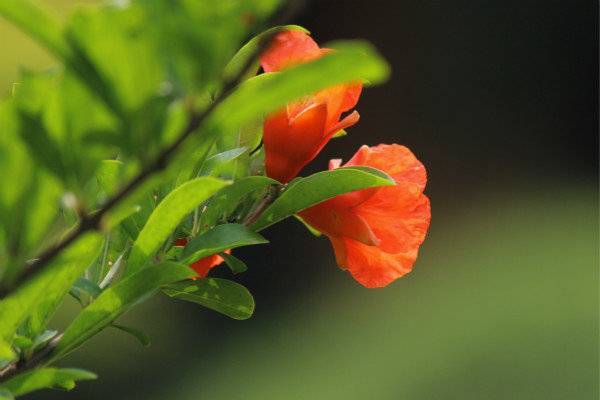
(499, 99)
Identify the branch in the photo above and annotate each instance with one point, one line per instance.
(91, 221)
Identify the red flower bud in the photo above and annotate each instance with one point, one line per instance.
(376, 233)
(294, 135)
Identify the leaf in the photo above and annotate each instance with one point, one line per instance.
(22, 342)
(36, 23)
(62, 378)
(136, 333)
(218, 239)
(213, 165)
(236, 265)
(167, 215)
(6, 353)
(40, 296)
(83, 289)
(224, 202)
(108, 175)
(305, 192)
(221, 295)
(42, 339)
(352, 61)
(116, 300)
(6, 395)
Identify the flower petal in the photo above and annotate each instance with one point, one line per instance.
(399, 215)
(288, 48)
(372, 267)
(339, 222)
(290, 143)
(205, 264)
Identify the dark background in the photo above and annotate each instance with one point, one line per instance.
(499, 99)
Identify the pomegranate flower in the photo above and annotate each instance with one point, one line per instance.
(376, 233)
(294, 135)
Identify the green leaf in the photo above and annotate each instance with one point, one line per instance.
(136, 333)
(22, 342)
(6, 395)
(40, 296)
(214, 164)
(85, 290)
(61, 378)
(6, 353)
(236, 265)
(116, 300)
(36, 23)
(352, 61)
(224, 202)
(221, 295)
(108, 175)
(305, 192)
(218, 239)
(42, 339)
(167, 215)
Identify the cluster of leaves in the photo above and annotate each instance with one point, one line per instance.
(148, 131)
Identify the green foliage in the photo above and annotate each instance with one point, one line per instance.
(39, 297)
(115, 301)
(60, 378)
(218, 239)
(167, 215)
(224, 296)
(148, 131)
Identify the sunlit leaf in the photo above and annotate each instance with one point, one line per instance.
(218, 239)
(36, 23)
(167, 215)
(39, 297)
(116, 300)
(60, 378)
(221, 295)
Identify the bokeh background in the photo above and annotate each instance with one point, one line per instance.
(499, 99)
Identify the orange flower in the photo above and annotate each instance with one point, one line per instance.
(294, 135)
(376, 233)
(205, 264)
